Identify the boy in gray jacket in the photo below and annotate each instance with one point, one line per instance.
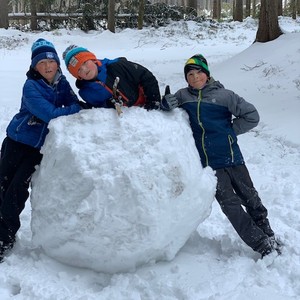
(217, 116)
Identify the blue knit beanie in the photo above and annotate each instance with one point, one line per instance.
(42, 49)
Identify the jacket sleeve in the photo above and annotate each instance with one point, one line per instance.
(133, 76)
(246, 115)
(150, 85)
(94, 94)
(40, 106)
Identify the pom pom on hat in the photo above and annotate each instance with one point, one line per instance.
(74, 56)
(43, 49)
(196, 62)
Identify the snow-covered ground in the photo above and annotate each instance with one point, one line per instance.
(214, 263)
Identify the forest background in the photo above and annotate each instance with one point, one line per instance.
(119, 14)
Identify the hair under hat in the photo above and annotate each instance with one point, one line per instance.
(43, 49)
(74, 56)
(196, 62)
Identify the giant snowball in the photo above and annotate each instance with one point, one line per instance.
(113, 193)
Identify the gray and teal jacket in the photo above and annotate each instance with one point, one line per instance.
(217, 116)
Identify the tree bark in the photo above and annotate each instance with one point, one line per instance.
(268, 26)
(279, 7)
(111, 15)
(238, 16)
(141, 14)
(4, 14)
(33, 11)
(248, 8)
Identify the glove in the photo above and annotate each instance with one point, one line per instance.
(152, 105)
(84, 105)
(168, 101)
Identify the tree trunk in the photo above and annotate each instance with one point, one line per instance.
(294, 9)
(248, 8)
(33, 11)
(238, 11)
(141, 14)
(216, 9)
(268, 27)
(111, 16)
(192, 4)
(279, 7)
(4, 14)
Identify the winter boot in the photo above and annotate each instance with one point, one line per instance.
(276, 243)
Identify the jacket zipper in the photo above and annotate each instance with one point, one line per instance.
(230, 140)
(200, 124)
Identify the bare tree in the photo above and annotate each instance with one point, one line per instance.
(268, 26)
(111, 15)
(4, 14)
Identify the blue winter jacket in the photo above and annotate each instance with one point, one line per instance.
(41, 102)
(217, 116)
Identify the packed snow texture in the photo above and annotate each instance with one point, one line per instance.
(113, 192)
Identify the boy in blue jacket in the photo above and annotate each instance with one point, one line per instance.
(101, 82)
(46, 95)
(217, 116)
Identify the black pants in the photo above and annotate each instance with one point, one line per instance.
(241, 204)
(17, 164)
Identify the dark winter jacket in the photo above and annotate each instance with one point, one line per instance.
(40, 103)
(215, 131)
(137, 85)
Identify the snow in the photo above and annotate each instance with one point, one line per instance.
(214, 263)
(127, 196)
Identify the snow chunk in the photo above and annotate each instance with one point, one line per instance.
(113, 193)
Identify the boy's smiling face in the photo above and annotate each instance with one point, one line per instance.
(88, 70)
(196, 79)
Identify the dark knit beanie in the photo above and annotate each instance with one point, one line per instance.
(196, 62)
(42, 49)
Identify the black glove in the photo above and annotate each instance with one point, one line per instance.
(168, 101)
(85, 105)
(152, 105)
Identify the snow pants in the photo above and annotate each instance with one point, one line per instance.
(241, 204)
(17, 164)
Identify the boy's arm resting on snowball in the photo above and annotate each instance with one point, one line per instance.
(40, 101)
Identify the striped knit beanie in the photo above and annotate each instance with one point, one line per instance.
(196, 62)
(42, 49)
(74, 56)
